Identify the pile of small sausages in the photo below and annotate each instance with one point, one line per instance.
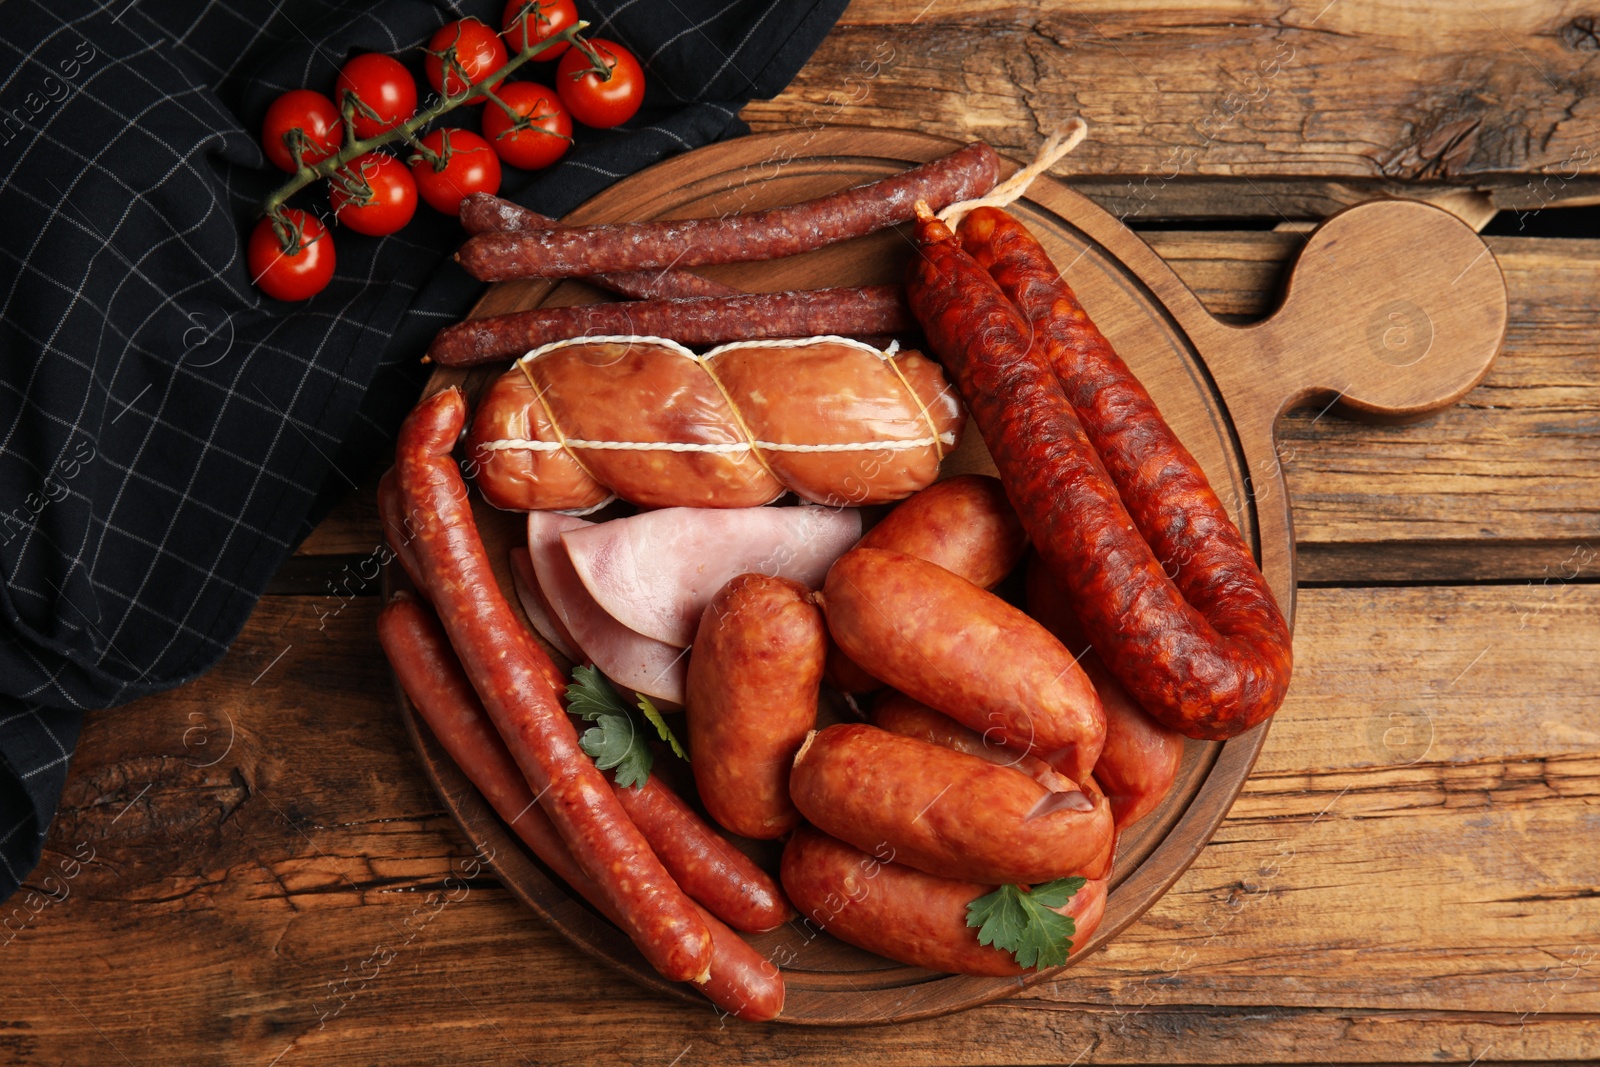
(1007, 746)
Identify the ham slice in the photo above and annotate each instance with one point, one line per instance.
(628, 658)
(655, 572)
(538, 609)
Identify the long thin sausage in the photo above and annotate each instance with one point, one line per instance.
(742, 980)
(579, 251)
(708, 867)
(1209, 655)
(483, 213)
(510, 672)
(397, 528)
(868, 311)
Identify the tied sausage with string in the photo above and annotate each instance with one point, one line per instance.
(837, 422)
(581, 251)
(1208, 652)
(485, 213)
(868, 311)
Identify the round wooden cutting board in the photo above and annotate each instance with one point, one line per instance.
(1394, 310)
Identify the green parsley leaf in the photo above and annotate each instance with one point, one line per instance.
(1025, 924)
(617, 746)
(590, 695)
(664, 731)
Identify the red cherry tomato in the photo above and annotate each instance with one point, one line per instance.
(311, 113)
(297, 275)
(542, 144)
(598, 101)
(393, 201)
(470, 166)
(478, 50)
(383, 85)
(538, 20)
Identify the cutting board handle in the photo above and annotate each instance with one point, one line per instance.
(1395, 308)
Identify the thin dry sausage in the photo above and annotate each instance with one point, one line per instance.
(708, 867)
(579, 251)
(870, 310)
(484, 213)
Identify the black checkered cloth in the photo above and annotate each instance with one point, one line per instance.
(169, 434)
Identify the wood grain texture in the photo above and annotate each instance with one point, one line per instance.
(1369, 900)
(1496, 94)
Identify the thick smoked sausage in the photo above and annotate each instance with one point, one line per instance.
(935, 636)
(946, 812)
(1209, 654)
(903, 913)
(754, 672)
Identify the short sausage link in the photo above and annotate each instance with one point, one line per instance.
(1142, 756)
(948, 813)
(935, 636)
(754, 672)
(905, 914)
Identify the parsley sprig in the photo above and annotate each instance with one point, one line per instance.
(615, 741)
(1025, 924)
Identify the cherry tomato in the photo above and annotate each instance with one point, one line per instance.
(299, 275)
(478, 50)
(311, 113)
(470, 167)
(394, 195)
(544, 18)
(596, 101)
(535, 147)
(383, 85)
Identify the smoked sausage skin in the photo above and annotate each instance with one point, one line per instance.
(1209, 655)
(754, 673)
(905, 914)
(946, 812)
(935, 636)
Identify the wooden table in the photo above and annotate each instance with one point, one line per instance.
(1411, 875)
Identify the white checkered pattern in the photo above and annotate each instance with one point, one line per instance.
(166, 433)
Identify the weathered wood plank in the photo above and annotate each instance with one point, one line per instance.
(1369, 899)
(1492, 95)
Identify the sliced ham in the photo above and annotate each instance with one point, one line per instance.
(538, 609)
(626, 657)
(655, 572)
